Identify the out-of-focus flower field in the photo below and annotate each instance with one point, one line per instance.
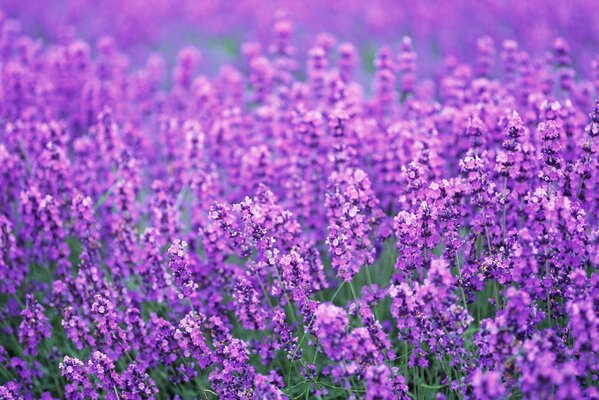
(299, 199)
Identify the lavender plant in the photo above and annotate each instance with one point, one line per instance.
(306, 221)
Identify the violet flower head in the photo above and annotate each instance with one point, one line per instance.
(77, 329)
(551, 170)
(12, 269)
(137, 384)
(247, 305)
(352, 210)
(383, 383)
(104, 315)
(485, 56)
(330, 324)
(232, 377)
(347, 61)
(187, 61)
(384, 83)
(190, 339)
(180, 269)
(406, 66)
(103, 368)
(35, 326)
(563, 63)
(84, 221)
(79, 385)
(487, 385)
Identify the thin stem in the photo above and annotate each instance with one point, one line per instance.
(105, 195)
(353, 292)
(116, 392)
(180, 197)
(503, 216)
(488, 238)
(306, 331)
(459, 268)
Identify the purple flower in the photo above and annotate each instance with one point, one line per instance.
(103, 368)
(330, 324)
(549, 133)
(136, 384)
(352, 210)
(232, 377)
(190, 339)
(247, 305)
(35, 326)
(12, 268)
(383, 383)
(108, 330)
(180, 270)
(487, 385)
(77, 329)
(79, 386)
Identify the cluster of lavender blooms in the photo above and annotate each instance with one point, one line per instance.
(283, 230)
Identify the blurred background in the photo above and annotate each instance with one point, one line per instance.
(218, 27)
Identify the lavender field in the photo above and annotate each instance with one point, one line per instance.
(320, 199)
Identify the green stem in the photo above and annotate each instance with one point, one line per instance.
(503, 216)
(457, 261)
(306, 331)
